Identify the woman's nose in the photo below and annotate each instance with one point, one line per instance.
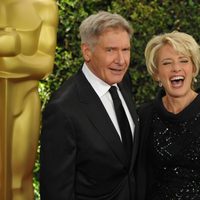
(176, 67)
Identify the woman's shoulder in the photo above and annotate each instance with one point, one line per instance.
(145, 107)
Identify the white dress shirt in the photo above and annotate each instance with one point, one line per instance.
(102, 90)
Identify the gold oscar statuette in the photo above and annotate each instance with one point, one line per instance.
(28, 30)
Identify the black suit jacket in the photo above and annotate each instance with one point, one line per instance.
(143, 170)
(82, 157)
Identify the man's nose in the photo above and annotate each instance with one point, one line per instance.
(120, 58)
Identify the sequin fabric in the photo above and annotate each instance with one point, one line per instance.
(175, 146)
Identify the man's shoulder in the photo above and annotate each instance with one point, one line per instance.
(66, 91)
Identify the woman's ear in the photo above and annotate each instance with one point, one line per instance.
(156, 77)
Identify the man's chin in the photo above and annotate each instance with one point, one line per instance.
(115, 81)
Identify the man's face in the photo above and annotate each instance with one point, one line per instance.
(110, 57)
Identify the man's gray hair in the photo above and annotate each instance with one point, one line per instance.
(94, 25)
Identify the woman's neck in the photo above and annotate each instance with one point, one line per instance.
(177, 104)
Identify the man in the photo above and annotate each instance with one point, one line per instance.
(83, 155)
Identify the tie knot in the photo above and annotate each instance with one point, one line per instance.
(113, 92)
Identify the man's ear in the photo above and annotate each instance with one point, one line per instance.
(86, 51)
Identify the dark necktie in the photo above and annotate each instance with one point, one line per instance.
(122, 121)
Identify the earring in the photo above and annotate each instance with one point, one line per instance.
(194, 79)
(160, 83)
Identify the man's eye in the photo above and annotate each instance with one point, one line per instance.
(126, 49)
(109, 49)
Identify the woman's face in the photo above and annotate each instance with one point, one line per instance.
(175, 72)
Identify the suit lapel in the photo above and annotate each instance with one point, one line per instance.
(98, 116)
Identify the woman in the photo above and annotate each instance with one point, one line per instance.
(169, 157)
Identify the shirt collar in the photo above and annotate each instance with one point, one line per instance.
(98, 85)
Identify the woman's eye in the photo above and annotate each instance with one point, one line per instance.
(166, 63)
(184, 61)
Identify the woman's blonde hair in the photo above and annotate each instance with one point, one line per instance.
(181, 42)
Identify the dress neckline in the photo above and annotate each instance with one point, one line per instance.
(184, 115)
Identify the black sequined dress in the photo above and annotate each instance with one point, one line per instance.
(174, 153)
